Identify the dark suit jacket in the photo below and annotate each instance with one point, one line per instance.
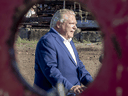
(54, 64)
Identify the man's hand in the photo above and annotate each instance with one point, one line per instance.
(77, 89)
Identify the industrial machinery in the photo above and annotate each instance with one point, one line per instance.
(37, 21)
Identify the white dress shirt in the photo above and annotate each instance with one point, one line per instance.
(68, 45)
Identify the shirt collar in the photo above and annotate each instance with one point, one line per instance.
(65, 40)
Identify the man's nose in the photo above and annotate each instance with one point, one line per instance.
(75, 27)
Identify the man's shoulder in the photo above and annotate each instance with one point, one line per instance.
(49, 34)
(48, 37)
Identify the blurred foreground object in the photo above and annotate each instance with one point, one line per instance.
(112, 78)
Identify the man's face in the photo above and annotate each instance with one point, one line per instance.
(69, 26)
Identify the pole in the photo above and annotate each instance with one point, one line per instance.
(64, 4)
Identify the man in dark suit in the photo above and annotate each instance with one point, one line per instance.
(56, 58)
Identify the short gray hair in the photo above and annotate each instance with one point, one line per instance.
(58, 16)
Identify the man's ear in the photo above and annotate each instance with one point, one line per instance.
(58, 24)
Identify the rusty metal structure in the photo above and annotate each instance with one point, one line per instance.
(35, 24)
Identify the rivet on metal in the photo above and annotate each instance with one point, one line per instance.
(119, 71)
(119, 91)
(6, 94)
(1, 92)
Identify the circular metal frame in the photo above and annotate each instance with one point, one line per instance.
(112, 78)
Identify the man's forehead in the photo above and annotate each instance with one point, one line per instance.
(67, 16)
(71, 12)
(71, 19)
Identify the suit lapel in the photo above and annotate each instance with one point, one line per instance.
(65, 49)
(75, 51)
(60, 40)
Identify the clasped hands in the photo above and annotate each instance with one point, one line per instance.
(77, 89)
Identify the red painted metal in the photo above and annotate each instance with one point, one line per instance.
(112, 16)
(9, 84)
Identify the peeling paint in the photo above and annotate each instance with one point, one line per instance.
(119, 21)
(2, 93)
